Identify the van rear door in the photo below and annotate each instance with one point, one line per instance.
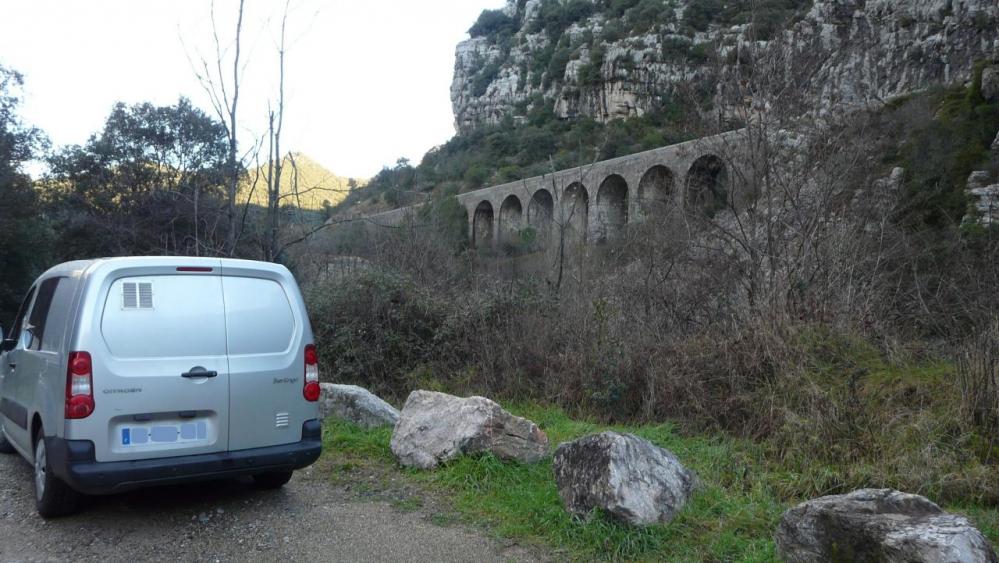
(267, 334)
(161, 384)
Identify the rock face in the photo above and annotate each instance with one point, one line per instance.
(437, 427)
(355, 404)
(853, 52)
(632, 479)
(984, 199)
(878, 525)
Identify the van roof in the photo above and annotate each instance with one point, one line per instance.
(78, 267)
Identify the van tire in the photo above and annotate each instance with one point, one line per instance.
(273, 480)
(5, 447)
(56, 498)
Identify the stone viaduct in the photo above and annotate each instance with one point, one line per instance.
(596, 201)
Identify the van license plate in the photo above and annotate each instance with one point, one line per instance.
(164, 434)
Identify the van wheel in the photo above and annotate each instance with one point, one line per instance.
(5, 447)
(53, 498)
(274, 480)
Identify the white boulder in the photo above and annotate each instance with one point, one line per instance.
(632, 479)
(878, 525)
(355, 404)
(437, 427)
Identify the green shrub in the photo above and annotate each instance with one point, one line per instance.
(493, 23)
(373, 329)
(556, 65)
(613, 31)
(555, 16)
(485, 77)
(940, 155)
(590, 73)
(702, 13)
(675, 47)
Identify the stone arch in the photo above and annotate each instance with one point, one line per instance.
(539, 211)
(511, 217)
(482, 225)
(574, 211)
(612, 207)
(655, 191)
(707, 185)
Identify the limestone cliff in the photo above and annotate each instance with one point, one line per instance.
(609, 59)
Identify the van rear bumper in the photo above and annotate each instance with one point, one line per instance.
(74, 461)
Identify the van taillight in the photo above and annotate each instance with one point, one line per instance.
(79, 386)
(311, 389)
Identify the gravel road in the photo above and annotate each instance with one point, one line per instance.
(310, 519)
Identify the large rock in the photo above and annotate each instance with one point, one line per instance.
(878, 525)
(355, 404)
(436, 427)
(634, 480)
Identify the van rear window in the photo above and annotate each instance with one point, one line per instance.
(260, 319)
(165, 317)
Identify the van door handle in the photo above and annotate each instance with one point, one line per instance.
(199, 372)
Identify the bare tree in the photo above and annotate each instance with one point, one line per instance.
(275, 121)
(223, 93)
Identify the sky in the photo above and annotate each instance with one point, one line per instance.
(366, 81)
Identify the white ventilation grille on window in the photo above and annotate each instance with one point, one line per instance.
(137, 295)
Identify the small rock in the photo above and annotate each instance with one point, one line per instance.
(634, 480)
(878, 525)
(355, 404)
(436, 427)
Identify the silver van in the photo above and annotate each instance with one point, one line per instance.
(128, 372)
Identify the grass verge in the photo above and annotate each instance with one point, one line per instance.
(731, 518)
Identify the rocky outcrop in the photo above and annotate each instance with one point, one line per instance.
(878, 525)
(852, 52)
(437, 427)
(630, 478)
(355, 404)
(984, 199)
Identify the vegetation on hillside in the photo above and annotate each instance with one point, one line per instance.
(951, 135)
(639, 16)
(509, 151)
(306, 184)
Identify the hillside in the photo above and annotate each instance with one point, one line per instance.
(544, 84)
(318, 188)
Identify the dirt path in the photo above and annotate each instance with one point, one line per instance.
(310, 519)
